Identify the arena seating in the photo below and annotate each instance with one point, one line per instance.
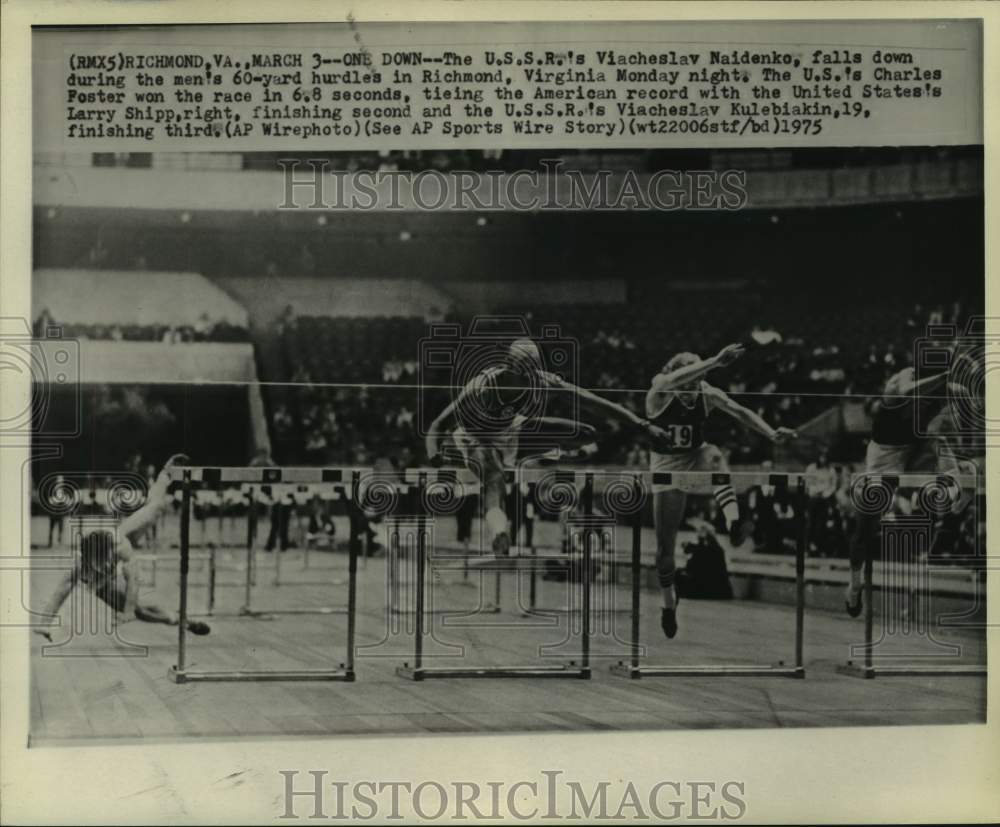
(350, 349)
(218, 332)
(801, 359)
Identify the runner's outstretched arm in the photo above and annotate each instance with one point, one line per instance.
(156, 501)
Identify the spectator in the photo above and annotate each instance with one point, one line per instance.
(281, 514)
(705, 576)
(321, 530)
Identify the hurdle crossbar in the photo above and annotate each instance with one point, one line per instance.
(264, 475)
(180, 672)
(705, 482)
(418, 671)
(868, 669)
(694, 482)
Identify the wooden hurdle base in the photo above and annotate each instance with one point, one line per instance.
(488, 609)
(194, 676)
(778, 670)
(542, 611)
(513, 562)
(338, 582)
(868, 672)
(419, 673)
(270, 614)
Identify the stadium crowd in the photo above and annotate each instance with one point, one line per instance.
(203, 330)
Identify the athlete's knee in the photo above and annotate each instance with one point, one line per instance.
(714, 459)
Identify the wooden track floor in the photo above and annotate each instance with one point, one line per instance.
(114, 686)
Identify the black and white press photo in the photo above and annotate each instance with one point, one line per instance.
(396, 382)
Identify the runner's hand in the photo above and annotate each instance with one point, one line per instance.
(729, 354)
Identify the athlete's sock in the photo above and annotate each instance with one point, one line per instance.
(669, 598)
(857, 580)
(726, 498)
(496, 521)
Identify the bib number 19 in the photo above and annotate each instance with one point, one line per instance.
(680, 435)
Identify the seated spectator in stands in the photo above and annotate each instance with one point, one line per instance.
(705, 576)
(202, 328)
(322, 530)
(306, 261)
(316, 447)
(286, 322)
(404, 418)
(283, 422)
(637, 456)
(43, 323)
(392, 370)
(97, 255)
(606, 380)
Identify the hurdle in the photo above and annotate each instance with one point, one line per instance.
(877, 491)
(608, 561)
(705, 482)
(180, 673)
(419, 671)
